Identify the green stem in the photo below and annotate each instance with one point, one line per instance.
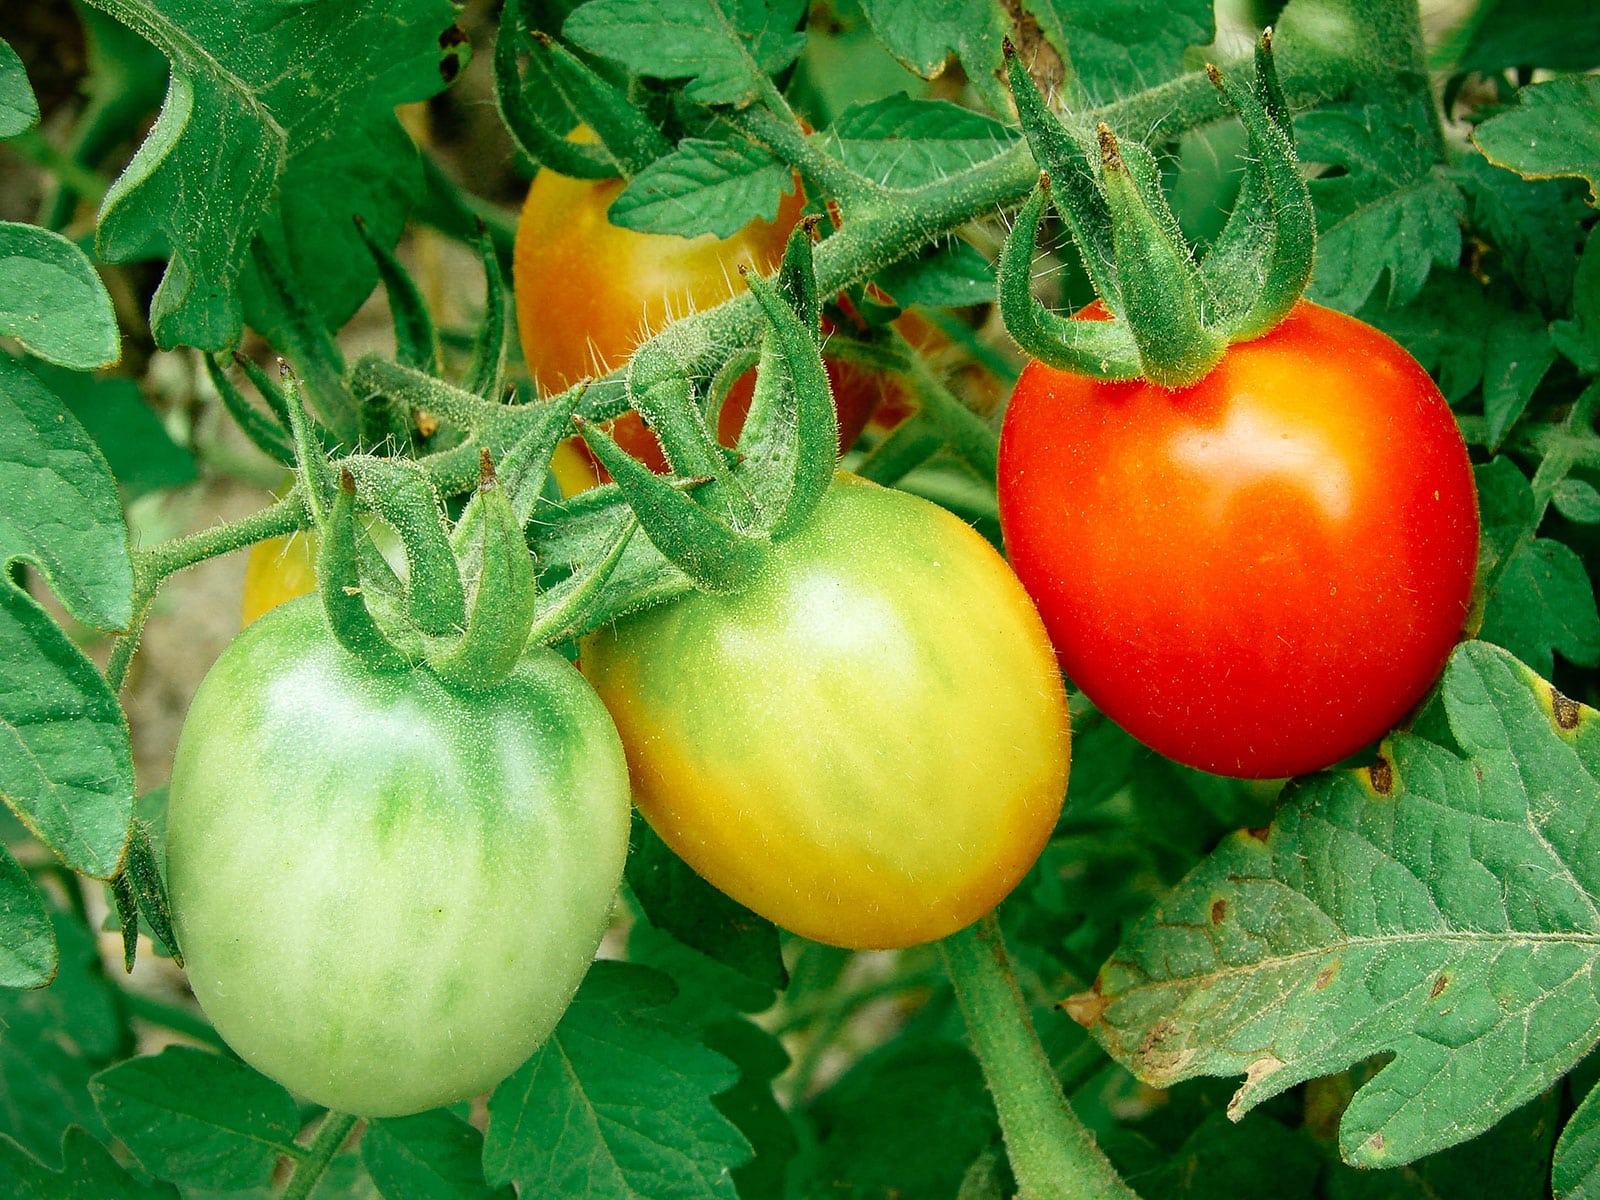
(335, 1128)
(1053, 1155)
(151, 568)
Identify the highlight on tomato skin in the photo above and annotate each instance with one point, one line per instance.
(870, 745)
(1257, 575)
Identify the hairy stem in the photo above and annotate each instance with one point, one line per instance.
(1053, 1155)
(331, 1134)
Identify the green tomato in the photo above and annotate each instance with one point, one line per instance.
(386, 892)
(869, 746)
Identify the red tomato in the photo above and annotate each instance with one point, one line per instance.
(1261, 573)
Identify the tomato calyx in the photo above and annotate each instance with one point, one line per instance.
(718, 520)
(1173, 316)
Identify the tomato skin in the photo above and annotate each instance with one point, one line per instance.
(588, 292)
(1259, 574)
(870, 745)
(278, 570)
(386, 892)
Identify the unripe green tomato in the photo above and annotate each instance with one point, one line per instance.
(869, 745)
(386, 892)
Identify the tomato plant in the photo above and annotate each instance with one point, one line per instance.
(1258, 574)
(795, 742)
(386, 892)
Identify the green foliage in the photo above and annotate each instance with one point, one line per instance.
(1396, 956)
(1466, 958)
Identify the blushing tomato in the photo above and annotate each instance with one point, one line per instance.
(869, 745)
(386, 892)
(588, 292)
(1259, 574)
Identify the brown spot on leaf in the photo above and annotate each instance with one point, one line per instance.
(1440, 984)
(454, 51)
(1086, 1008)
(1325, 976)
(1567, 710)
(1381, 775)
(1219, 911)
(1157, 1061)
(1376, 1142)
(1261, 1068)
(1259, 832)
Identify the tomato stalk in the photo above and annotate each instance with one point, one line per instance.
(331, 1134)
(1053, 1155)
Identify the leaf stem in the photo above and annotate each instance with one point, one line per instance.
(1053, 1155)
(331, 1134)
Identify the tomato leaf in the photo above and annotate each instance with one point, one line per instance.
(675, 899)
(704, 186)
(433, 1154)
(27, 945)
(721, 47)
(88, 1172)
(253, 86)
(19, 109)
(1540, 599)
(1553, 131)
(1385, 206)
(52, 1040)
(906, 143)
(924, 35)
(136, 445)
(1575, 1171)
(617, 1104)
(1118, 49)
(1466, 336)
(1465, 953)
(751, 1105)
(1535, 224)
(1579, 338)
(198, 1118)
(948, 275)
(1558, 34)
(880, 1132)
(52, 301)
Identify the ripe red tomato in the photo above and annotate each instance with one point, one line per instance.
(588, 292)
(1261, 573)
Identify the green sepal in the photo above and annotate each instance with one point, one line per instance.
(501, 587)
(1278, 268)
(545, 147)
(339, 582)
(264, 433)
(629, 137)
(486, 372)
(416, 344)
(263, 383)
(659, 389)
(797, 274)
(127, 906)
(715, 557)
(567, 610)
(404, 495)
(1074, 182)
(1161, 287)
(1268, 90)
(138, 890)
(317, 482)
(802, 402)
(1098, 349)
(310, 345)
(526, 464)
